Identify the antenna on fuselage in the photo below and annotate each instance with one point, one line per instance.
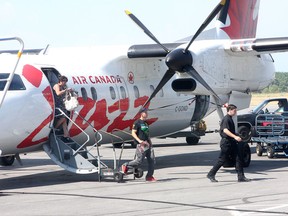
(45, 50)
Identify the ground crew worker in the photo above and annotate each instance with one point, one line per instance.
(140, 133)
(228, 145)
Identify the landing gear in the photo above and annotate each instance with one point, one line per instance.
(7, 160)
(246, 154)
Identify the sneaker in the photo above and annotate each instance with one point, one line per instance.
(124, 168)
(244, 179)
(151, 179)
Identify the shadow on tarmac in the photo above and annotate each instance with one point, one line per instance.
(202, 159)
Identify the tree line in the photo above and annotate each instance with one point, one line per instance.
(279, 84)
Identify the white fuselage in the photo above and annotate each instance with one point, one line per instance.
(112, 89)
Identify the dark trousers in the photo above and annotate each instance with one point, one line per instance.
(229, 151)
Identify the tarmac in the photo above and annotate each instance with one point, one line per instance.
(40, 187)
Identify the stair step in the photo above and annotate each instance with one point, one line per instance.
(63, 154)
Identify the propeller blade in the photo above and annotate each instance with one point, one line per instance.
(206, 22)
(197, 77)
(147, 32)
(167, 76)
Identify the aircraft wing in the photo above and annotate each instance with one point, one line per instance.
(258, 46)
(25, 51)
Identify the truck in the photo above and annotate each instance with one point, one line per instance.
(246, 122)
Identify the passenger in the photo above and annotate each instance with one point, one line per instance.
(59, 90)
(228, 145)
(140, 133)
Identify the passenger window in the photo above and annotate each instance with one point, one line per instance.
(136, 92)
(16, 84)
(123, 92)
(152, 89)
(112, 92)
(160, 92)
(84, 94)
(94, 93)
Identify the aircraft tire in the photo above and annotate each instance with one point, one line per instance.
(192, 140)
(7, 160)
(117, 145)
(246, 154)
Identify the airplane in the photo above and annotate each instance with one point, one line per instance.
(180, 83)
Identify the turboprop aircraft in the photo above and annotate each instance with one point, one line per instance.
(180, 83)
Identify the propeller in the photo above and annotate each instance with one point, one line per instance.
(146, 30)
(180, 59)
(207, 22)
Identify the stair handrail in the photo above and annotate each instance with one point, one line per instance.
(88, 138)
(120, 156)
(11, 75)
(93, 128)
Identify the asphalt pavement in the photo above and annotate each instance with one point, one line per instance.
(40, 187)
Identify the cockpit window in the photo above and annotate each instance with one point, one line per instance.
(16, 84)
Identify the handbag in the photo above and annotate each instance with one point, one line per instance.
(71, 101)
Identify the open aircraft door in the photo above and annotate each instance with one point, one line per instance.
(29, 98)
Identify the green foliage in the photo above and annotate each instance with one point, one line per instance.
(280, 84)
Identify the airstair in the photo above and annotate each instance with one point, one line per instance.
(8, 80)
(80, 158)
(72, 156)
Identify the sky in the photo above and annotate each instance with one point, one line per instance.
(62, 23)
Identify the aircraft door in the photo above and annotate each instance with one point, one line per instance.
(32, 109)
(52, 75)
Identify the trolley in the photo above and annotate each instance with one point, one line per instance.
(116, 171)
(271, 130)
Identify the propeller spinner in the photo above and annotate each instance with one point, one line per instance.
(180, 59)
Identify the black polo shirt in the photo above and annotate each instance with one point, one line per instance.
(227, 122)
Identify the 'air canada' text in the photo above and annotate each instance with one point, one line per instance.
(96, 79)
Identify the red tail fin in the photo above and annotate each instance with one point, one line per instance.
(239, 18)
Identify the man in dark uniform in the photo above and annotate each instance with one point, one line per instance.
(140, 133)
(228, 145)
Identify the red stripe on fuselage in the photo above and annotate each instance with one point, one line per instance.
(33, 75)
(99, 119)
(29, 140)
